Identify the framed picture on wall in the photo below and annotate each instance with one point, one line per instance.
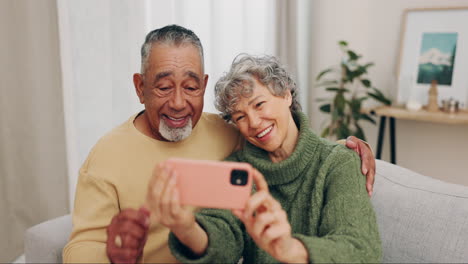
(433, 46)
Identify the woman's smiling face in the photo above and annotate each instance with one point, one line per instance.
(264, 119)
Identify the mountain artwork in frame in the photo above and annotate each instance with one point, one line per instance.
(433, 46)
(437, 57)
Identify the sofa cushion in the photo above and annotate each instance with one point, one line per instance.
(420, 219)
(44, 242)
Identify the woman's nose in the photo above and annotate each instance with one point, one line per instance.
(254, 121)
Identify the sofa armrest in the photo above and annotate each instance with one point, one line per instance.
(421, 219)
(43, 243)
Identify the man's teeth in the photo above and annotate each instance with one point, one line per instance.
(264, 132)
(176, 119)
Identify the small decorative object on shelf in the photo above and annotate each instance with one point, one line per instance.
(413, 105)
(450, 106)
(433, 106)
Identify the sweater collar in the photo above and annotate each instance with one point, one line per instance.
(290, 168)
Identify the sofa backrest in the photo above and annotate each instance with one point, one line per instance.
(420, 219)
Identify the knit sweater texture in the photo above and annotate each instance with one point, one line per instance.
(321, 188)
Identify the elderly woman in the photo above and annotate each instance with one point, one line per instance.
(312, 205)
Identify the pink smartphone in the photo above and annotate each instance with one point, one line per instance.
(213, 184)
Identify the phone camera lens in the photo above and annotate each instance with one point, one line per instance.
(239, 177)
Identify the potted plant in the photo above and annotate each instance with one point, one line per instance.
(350, 87)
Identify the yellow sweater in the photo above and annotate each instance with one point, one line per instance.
(115, 176)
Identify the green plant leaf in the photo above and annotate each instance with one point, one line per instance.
(340, 103)
(322, 73)
(323, 100)
(366, 83)
(337, 89)
(326, 108)
(352, 55)
(355, 104)
(326, 83)
(343, 131)
(362, 99)
(343, 43)
(379, 96)
(367, 65)
(380, 99)
(361, 70)
(367, 118)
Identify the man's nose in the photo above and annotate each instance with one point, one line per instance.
(178, 100)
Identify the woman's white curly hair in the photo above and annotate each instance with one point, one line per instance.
(245, 69)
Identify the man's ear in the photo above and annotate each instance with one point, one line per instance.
(205, 82)
(139, 86)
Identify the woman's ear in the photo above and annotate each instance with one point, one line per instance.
(289, 97)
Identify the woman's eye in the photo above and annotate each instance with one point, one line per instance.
(259, 104)
(239, 118)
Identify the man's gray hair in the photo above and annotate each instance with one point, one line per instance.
(239, 81)
(170, 35)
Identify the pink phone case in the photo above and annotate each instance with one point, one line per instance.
(213, 184)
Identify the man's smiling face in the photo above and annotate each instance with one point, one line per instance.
(172, 90)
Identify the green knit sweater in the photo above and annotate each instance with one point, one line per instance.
(321, 188)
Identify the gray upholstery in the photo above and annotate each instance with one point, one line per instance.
(44, 242)
(420, 220)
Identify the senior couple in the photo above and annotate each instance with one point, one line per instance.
(310, 202)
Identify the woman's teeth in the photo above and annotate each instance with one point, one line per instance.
(264, 132)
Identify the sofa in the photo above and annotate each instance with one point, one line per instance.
(420, 220)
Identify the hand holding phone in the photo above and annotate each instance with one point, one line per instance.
(212, 184)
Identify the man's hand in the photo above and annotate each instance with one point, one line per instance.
(367, 160)
(126, 235)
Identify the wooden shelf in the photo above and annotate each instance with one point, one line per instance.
(459, 118)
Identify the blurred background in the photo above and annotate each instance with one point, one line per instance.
(66, 71)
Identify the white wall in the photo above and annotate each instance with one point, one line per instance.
(372, 27)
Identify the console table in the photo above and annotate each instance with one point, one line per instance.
(393, 113)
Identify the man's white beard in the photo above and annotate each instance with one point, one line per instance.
(175, 134)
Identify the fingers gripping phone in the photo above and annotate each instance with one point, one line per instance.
(213, 184)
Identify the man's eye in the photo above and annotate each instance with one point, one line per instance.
(164, 88)
(191, 88)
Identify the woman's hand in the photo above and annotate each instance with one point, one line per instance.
(164, 203)
(268, 225)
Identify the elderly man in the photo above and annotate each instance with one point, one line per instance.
(107, 226)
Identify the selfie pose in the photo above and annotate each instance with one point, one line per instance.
(109, 224)
(310, 203)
